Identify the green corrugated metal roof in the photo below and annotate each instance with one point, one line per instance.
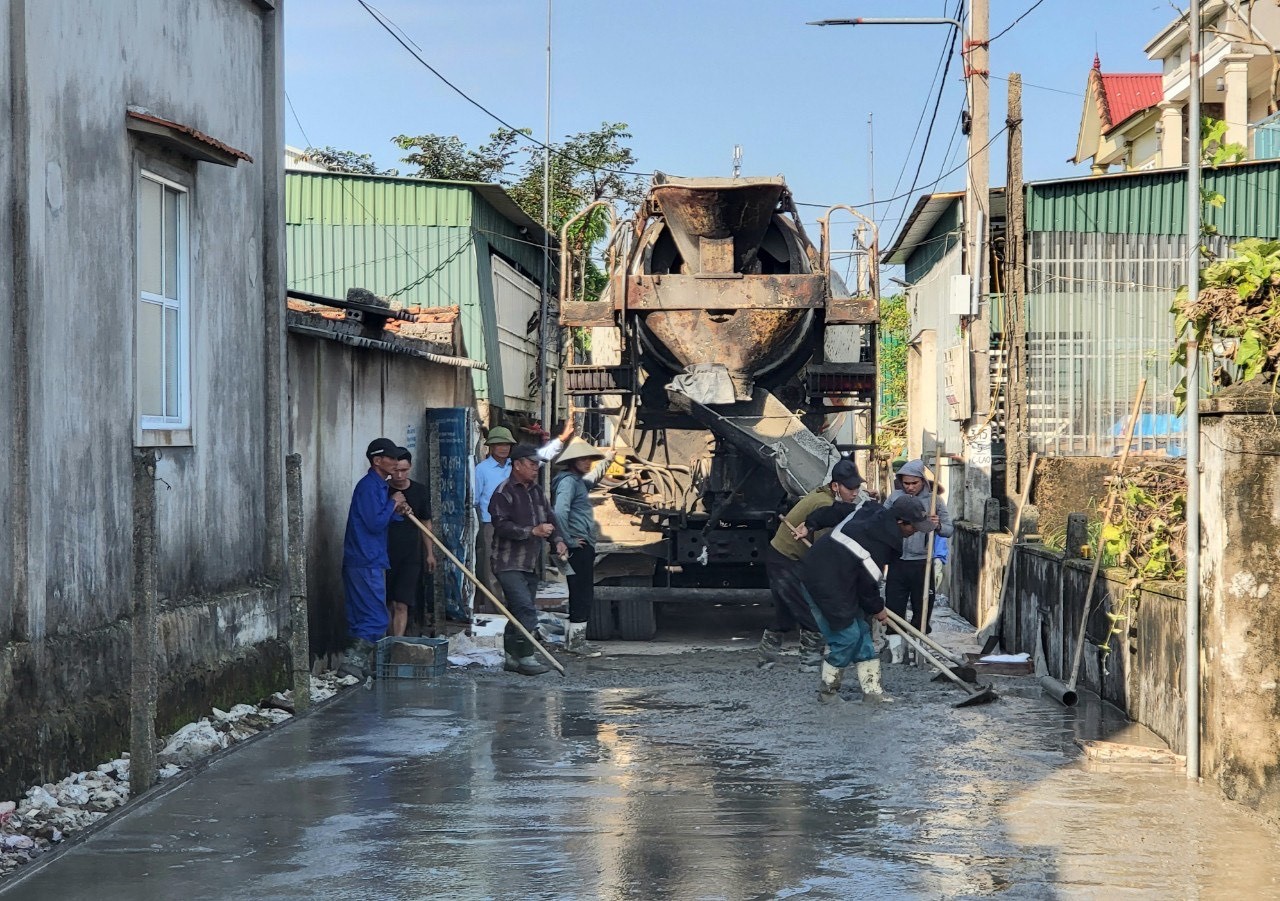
(1154, 202)
(425, 243)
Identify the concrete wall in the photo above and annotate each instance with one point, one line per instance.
(1141, 675)
(1240, 620)
(67, 198)
(340, 399)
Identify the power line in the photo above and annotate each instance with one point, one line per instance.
(1030, 9)
(404, 42)
(923, 187)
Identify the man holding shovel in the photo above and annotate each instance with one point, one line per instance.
(522, 519)
(364, 554)
(841, 583)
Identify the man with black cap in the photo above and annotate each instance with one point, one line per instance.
(522, 519)
(841, 582)
(782, 562)
(364, 553)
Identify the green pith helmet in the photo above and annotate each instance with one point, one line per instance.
(898, 463)
(499, 435)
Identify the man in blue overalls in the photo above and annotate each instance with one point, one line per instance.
(364, 554)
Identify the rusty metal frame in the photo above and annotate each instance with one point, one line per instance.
(863, 308)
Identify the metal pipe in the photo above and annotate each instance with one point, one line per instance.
(1191, 651)
(544, 321)
(1064, 694)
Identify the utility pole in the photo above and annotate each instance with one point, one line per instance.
(1016, 439)
(977, 222)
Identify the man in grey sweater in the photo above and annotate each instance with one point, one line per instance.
(905, 586)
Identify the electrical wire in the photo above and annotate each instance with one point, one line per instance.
(1029, 10)
(387, 25)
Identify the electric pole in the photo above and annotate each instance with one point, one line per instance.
(977, 225)
(1015, 324)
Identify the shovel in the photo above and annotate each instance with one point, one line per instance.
(555, 664)
(960, 668)
(980, 695)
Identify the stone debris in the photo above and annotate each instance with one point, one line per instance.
(48, 813)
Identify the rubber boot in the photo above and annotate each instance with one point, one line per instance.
(829, 689)
(575, 642)
(810, 651)
(356, 660)
(770, 648)
(896, 649)
(525, 666)
(869, 678)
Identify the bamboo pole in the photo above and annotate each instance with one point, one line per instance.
(489, 594)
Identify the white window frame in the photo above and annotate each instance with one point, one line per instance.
(181, 421)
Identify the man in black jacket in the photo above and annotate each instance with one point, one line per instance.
(841, 580)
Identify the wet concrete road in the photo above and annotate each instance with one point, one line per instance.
(666, 775)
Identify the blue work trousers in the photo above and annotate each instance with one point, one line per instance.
(366, 589)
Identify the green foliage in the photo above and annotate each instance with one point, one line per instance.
(447, 157)
(895, 321)
(1248, 278)
(348, 161)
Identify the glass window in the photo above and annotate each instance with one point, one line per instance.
(162, 355)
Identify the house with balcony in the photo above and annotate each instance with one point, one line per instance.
(1238, 79)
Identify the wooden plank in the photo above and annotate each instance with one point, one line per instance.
(1115, 752)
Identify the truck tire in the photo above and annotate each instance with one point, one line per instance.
(600, 625)
(636, 621)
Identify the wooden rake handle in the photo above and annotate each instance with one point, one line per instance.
(555, 664)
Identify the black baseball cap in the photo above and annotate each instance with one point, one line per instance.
(911, 509)
(846, 473)
(381, 447)
(521, 451)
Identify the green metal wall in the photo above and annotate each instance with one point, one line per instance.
(422, 243)
(1155, 203)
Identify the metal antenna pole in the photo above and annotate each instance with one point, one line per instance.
(544, 324)
(737, 160)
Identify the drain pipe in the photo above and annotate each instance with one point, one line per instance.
(1191, 652)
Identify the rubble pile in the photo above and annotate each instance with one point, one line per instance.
(48, 813)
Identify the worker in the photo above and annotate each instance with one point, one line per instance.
(491, 472)
(364, 554)
(841, 580)
(407, 548)
(782, 559)
(905, 586)
(573, 512)
(522, 519)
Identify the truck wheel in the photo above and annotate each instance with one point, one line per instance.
(600, 625)
(636, 620)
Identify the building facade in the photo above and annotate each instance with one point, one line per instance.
(142, 427)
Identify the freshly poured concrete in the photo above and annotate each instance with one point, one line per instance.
(678, 775)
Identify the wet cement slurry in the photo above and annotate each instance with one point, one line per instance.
(674, 775)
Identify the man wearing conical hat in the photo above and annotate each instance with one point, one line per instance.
(574, 513)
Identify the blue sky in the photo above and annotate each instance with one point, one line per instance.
(694, 77)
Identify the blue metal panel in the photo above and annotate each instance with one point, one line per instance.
(452, 497)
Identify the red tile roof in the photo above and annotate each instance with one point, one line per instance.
(1123, 94)
(190, 132)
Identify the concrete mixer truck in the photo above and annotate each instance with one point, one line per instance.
(730, 368)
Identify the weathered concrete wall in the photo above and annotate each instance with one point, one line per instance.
(1065, 485)
(1141, 673)
(67, 224)
(1240, 620)
(340, 399)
